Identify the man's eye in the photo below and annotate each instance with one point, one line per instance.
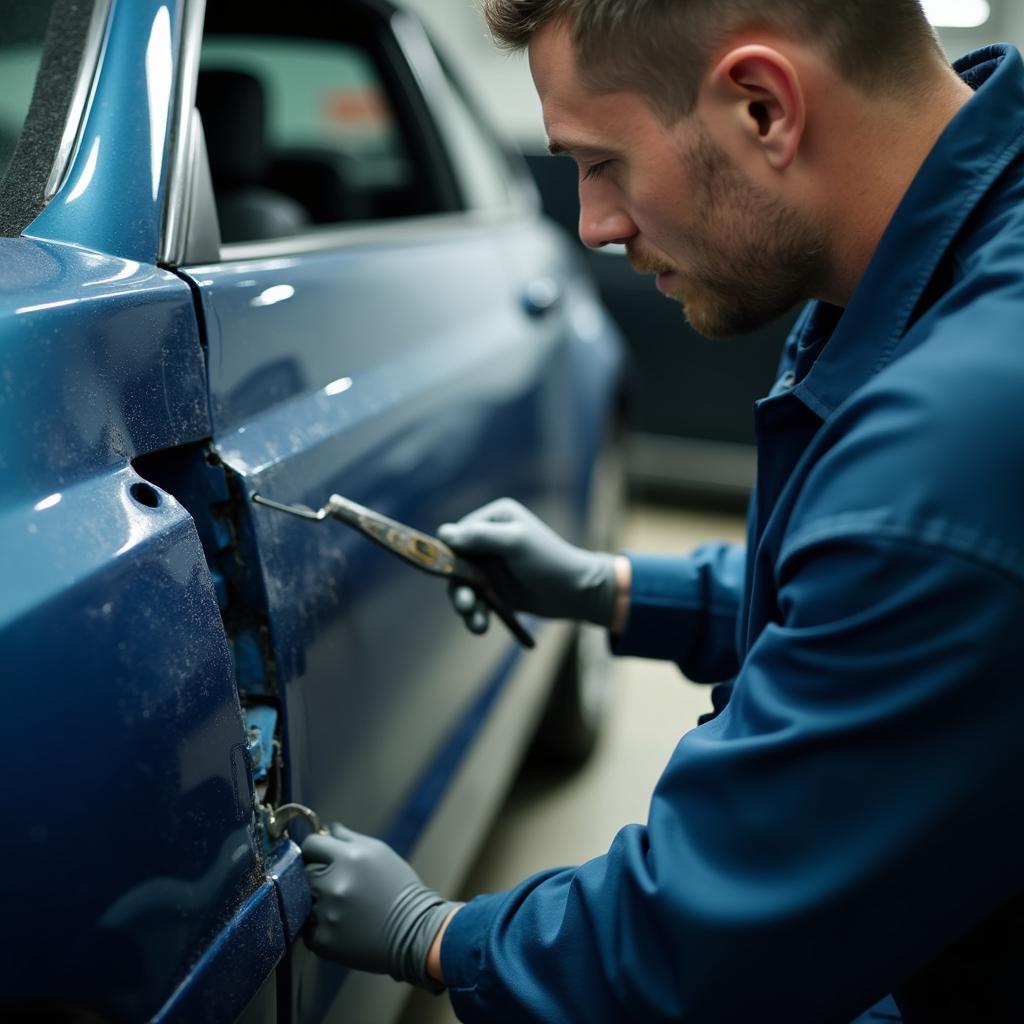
(595, 170)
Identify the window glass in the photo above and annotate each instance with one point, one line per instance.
(319, 94)
(482, 168)
(22, 30)
(326, 141)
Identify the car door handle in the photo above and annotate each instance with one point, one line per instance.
(541, 296)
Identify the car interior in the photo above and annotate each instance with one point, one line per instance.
(303, 130)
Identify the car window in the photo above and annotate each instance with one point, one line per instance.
(320, 95)
(42, 97)
(482, 167)
(21, 50)
(302, 132)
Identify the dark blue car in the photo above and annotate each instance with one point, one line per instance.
(261, 249)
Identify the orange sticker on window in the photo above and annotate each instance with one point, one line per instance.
(365, 106)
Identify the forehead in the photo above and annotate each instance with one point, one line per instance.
(552, 60)
(579, 120)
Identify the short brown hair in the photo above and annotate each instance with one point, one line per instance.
(661, 48)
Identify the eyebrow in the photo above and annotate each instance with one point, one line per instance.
(556, 148)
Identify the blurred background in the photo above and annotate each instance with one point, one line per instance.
(690, 464)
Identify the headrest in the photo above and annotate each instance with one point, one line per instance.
(232, 107)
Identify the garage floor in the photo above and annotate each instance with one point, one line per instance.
(548, 822)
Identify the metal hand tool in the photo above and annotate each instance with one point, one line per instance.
(419, 549)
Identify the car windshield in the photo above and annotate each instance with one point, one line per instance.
(22, 31)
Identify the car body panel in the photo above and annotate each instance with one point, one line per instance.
(221, 985)
(147, 600)
(110, 633)
(115, 661)
(112, 199)
(400, 374)
(98, 344)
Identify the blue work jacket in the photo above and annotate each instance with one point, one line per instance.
(852, 823)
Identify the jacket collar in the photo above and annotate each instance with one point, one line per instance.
(986, 134)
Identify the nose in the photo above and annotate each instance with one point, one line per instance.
(603, 221)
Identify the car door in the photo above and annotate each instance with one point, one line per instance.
(133, 881)
(378, 327)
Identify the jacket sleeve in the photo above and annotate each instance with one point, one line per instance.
(853, 811)
(685, 610)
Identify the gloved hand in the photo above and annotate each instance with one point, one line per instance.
(370, 909)
(539, 572)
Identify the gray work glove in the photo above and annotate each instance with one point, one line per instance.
(370, 909)
(536, 570)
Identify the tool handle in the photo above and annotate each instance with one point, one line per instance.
(515, 627)
(431, 555)
(485, 574)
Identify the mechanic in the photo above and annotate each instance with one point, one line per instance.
(849, 825)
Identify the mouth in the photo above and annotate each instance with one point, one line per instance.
(666, 277)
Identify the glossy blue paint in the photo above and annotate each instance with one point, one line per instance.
(407, 406)
(233, 967)
(143, 846)
(596, 367)
(589, 364)
(99, 362)
(112, 200)
(406, 375)
(401, 371)
(287, 871)
(139, 846)
(411, 819)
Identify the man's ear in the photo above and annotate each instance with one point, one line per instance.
(753, 95)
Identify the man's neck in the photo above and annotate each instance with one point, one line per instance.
(879, 157)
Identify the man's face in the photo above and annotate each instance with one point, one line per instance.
(735, 255)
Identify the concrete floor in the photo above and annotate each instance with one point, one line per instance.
(548, 823)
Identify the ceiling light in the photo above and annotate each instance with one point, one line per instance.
(957, 13)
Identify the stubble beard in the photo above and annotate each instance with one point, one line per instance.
(753, 257)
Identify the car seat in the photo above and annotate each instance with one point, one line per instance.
(231, 104)
(325, 179)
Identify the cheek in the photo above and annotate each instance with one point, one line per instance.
(654, 199)
(655, 211)
(662, 207)
(669, 229)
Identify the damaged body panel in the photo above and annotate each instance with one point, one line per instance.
(114, 654)
(194, 681)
